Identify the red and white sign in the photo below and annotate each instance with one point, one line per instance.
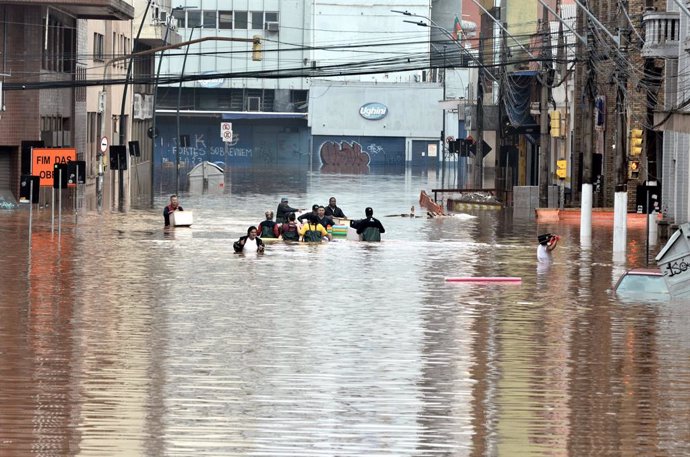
(104, 144)
(43, 162)
(226, 131)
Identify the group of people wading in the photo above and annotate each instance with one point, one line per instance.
(313, 227)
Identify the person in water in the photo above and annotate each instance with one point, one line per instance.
(313, 232)
(290, 230)
(305, 216)
(171, 208)
(268, 228)
(370, 228)
(283, 210)
(250, 243)
(332, 210)
(547, 243)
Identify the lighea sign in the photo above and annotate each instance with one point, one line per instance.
(373, 111)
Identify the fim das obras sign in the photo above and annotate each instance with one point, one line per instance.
(373, 111)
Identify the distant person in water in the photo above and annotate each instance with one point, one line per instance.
(547, 243)
(290, 230)
(332, 210)
(313, 232)
(250, 243)
(283, 210)
(370, 228)
(305, 216)
(171, 208)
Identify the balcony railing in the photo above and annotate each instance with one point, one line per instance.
(662, 34)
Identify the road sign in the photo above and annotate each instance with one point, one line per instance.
(104, 144)
(43, 161)
(226, 131)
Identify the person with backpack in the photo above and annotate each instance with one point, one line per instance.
(290, 230)
(370, 228)
(268, 228)
(313, 232)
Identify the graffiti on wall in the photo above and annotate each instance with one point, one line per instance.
(343, 157)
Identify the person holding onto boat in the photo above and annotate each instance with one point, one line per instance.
(370, 228)
(171, 208)
(313, 232)
(305, 216)
(332, 210)
(324, 220)
(290, 230)
(268, 228)
(283, 210)
(250, 243)
(547, 243)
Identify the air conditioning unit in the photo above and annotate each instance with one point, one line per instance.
(137, 111)
(272, 26)
(253, 103)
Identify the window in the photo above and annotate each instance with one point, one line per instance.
(271, 16)
(241, 20)
(193, 19)
(225, 20)
(80, 91)
(179, 15)
(58, 52)
(210, 20)
(257, 20)
(98, 47)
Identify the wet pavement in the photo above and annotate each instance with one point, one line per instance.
(118, 338)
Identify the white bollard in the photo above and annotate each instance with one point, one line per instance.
(620, 228)
(586, 216)
(652, 228)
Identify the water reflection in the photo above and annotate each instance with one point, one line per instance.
(120, 338)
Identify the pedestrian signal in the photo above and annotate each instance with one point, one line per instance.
(633, 169)
(555, 123)
(635, 142)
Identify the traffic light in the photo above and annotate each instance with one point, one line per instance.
(633, 169)
(635, 142)
(561, 169)
(555, 123)
(256, 48)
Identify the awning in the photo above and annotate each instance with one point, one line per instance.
(517, 95)
(262, 115)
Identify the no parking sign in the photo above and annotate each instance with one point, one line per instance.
(226, 131)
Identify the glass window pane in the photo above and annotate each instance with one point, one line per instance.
(210, 19)
(193, 19)
(179, 15)
(271, 16)
(240, 19)
(257, 20)
(225, 20)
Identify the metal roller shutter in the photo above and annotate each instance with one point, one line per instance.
(4, 171)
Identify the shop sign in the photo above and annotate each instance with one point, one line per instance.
(373, 111)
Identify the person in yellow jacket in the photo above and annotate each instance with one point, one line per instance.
(313, 232)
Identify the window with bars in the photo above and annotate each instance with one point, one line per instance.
(98, 47)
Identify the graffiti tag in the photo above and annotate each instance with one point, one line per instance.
(343, 158)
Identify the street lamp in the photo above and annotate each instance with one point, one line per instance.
(155, 92)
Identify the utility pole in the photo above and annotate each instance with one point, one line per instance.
(620, 205)
(545, 137)
(443, 128)
(479, 151)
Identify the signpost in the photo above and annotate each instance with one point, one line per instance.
(226, 131)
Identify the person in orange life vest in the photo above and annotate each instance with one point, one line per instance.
(171, 208)
(268, 228)
(290, 230)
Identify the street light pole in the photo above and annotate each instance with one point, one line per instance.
(179, 97)
(443, 126)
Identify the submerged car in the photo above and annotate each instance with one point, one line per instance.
(642, 283)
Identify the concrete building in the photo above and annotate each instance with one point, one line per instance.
(44, 45)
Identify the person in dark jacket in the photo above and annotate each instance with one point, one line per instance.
(370, 228)
(306, 216)
(283, 210)
(171, 208)
(332, 210)
(250, 243)
(290, 230)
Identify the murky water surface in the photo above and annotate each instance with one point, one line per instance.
(120, 339)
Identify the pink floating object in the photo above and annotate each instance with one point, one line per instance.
(485, 279)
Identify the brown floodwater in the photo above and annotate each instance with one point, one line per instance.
(118, 338)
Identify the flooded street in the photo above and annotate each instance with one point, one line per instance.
(118, 338)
